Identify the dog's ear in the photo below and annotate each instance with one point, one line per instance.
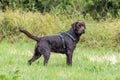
(74, 25)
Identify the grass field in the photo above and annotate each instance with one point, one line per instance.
(88, 64)
(97, 56)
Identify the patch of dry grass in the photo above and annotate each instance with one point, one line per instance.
(112, 59)
(98, 34)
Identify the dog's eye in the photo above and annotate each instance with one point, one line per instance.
(79, 25)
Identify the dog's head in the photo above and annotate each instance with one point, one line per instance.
(79, 27)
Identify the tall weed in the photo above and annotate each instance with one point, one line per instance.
(102, 34)
(98, 34)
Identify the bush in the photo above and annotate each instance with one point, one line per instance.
(96, 8)
(98, 34)
(102, 34)
(36, 23)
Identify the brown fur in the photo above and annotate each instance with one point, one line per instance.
(48, 44)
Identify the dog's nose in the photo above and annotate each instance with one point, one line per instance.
(83, 29)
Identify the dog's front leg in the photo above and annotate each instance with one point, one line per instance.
(46, 57)
(69, 58)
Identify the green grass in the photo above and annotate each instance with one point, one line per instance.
(88, 64)
(97, 56)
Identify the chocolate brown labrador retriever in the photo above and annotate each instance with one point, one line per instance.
(64, 43)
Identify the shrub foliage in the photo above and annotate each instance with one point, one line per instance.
(47, 17)
(96, 8)
(103, 33)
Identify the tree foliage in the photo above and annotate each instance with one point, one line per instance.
(96, 8)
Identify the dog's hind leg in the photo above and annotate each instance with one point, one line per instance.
(35, 57)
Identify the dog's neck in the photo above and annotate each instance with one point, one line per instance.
(76, 36)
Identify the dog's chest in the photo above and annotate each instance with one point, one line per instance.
(56, 44)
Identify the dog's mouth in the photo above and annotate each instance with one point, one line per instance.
(81, 31)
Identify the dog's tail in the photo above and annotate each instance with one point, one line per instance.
(29, 35)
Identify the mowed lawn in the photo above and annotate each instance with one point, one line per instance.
(88, 64)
